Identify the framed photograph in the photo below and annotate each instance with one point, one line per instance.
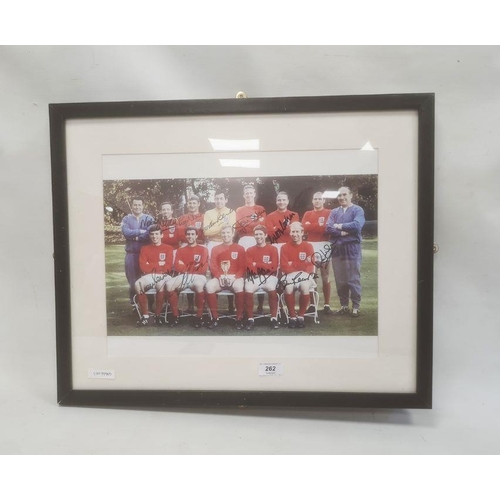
(244, 252)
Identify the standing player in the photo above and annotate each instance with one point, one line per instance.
(344, 227)
(297, 264)
(278, 222)
(248, 217)
(191, 262)
(156, 262)
(262, 268)
(135, 229)
(214, 220)
(314, 223)
(193, 218)
(168, 224)
(228, 266)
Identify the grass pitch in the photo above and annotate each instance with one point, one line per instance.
(122, 317)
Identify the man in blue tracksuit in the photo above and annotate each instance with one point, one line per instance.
(344, 227)
(135, 228)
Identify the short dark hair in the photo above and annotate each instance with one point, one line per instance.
(191, 228)
(167, 203)
(155, 227)
(137, 198)
(217, 193)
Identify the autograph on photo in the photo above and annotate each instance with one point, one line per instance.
(281, 230)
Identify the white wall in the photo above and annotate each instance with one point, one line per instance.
(467, 341)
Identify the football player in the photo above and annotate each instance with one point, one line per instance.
(262, 268)
(314, 223)
(191, 262)
(228, 266)
(297, 265)
(193, 218)
(156, 262)
(168, 224)
(248, 217)
(278, 222)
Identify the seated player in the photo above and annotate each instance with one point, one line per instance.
(228, 266)
(156, 262)
(297, 265)
(262, 268)
(191, 262)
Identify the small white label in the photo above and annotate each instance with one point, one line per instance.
(109, 374)
(266, 369)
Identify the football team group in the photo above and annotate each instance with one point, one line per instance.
(243, 251)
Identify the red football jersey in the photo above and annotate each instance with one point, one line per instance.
(247, 218)
(195, 220)
(192, 260)
(314, 223)
(262, 260)
(234, 254)
(297, 257)
(170, 234)
(156, 258)
(278, 225)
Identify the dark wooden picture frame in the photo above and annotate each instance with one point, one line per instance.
(423, 104)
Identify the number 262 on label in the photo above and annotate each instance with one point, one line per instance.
(266, 369)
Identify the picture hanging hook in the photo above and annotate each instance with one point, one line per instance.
(241, 95)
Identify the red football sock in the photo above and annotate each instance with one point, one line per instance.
(290, 304)
(273, 303)
(143, 303)
(212, 304)
(327, 287)
(160, 297)
(200, 301)
(303, 303)
(173, 300)
(240, 304)
(249, 304)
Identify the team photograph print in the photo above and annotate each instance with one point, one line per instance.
(242, 256)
